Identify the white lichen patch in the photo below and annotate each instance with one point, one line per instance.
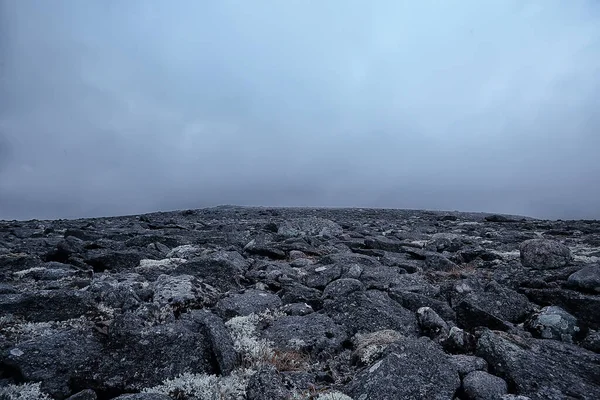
(205, 387)
(333, 395)
(370, 346)
(252, 350)
(185, 251)
(25, 272)
(162, 265)
(26, 391)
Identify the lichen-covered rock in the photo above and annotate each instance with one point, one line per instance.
(544, 254)
(411, 369)
(342, 287)
(553, 323)
(245, 303)
(524, 364)
(430, 323)
(467, 364)
(370, 311)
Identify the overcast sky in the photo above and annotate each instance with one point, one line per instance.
(111, 107)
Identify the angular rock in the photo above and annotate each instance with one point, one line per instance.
(318, 276)
(470, 316)
(87, 394)
(370, 311)
(585, 307)
(411, 369)
(430, 323)
(51, 305)
(525, 365)
(297, 293)
(313, 333)
(592, 341)
(467, 364)
(220, 269)
(437, 262)
(267, 384)
(113, 261)
(544, 254)
(297, 309)
(413, 301)
(342, 287)
(381, 278)
(246, 303)
(480, 385)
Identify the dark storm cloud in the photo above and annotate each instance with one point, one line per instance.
(120, 107)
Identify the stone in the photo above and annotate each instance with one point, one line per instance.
(267, 384)
(586, 279)
(342, 287)
(411, 369)
(553, 323)
(525, 364)
(430, 323)
(467, 364)
(314, 333)
(480, 385)
(370, 311)
(248, 302)
(544, 254)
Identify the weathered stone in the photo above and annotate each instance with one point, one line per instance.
(524, 364)
(342, 287)
(479, 385)
(586, 279)
(431, 323)
(553, 323)
(363, 312)
(467, 364)
(544, 254)
(411, 369)
(246, 303)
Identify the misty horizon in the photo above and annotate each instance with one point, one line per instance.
(112, 108)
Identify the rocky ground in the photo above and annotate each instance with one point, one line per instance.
(258, 303)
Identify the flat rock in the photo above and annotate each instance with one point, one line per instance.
(248, 302)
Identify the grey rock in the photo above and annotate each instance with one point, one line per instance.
(440, 242)
(459, 341)
(437, 262)
(313, 333)
(267, 384)
(320, 275)
(113, 261)
(311, 226)
(586, 279)
(56, 359)
(248, 302)
(342, 287)
(584, 306)
(592, 341)
(143, 396)
(51, 305)
(298, 293)
(411, 369)
(470, 316)
(544, 254)
(381, 278)
(370, 311)
(87, 394)
(220, 343)
(524, 364)
(413, 301)
(430, 323)
(467, 364)
(480, 385)
(219, 269)
(297, 309)
(553, 323)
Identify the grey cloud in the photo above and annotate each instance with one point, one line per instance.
(112, 107)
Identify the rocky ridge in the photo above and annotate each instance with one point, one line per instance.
(297, 303)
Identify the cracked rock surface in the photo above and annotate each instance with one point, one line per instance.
(275, 303)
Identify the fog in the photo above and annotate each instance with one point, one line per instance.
(112, 107)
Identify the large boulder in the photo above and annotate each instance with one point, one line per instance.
(544, 254)
(410, 369)
(533, 364)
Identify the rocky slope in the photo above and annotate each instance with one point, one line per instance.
(257, 303)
